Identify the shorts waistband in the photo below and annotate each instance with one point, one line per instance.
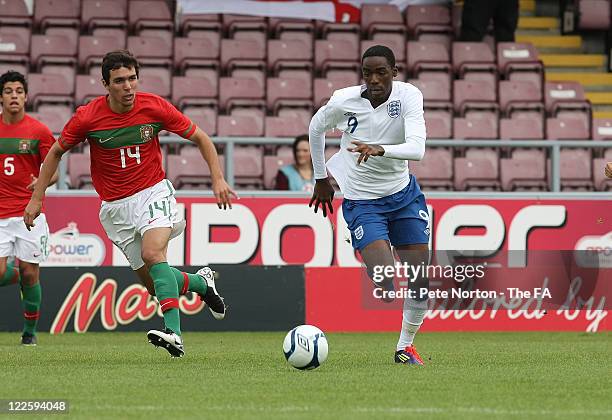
(140, 193)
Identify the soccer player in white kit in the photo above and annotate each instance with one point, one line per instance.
(383, 127)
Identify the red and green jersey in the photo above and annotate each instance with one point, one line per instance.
(124, 148)
(23, 147)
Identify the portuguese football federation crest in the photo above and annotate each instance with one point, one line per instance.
(24, 146)
(146, 132)
(394, 109)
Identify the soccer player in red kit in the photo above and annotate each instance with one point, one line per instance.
(24, 143)
(139, 212)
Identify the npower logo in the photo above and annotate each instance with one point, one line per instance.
(85, 300)
(68, 248)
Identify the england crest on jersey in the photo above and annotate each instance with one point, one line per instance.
(394, 108)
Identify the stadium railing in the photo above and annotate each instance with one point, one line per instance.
(554, 146)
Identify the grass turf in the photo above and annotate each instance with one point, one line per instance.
(244, 375)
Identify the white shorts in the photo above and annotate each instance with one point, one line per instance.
(127, 219)
(28, 245)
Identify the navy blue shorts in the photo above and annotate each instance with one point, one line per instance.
(401, 218)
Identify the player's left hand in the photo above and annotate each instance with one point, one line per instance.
(608, 170)
(32, 184)
(223, 194)
(31, 212)
(365, 150)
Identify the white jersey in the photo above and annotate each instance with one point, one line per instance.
(397, 125)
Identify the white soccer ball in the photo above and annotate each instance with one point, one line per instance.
(305, 347)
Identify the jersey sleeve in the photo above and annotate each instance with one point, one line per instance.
(175, 121)
(413, 147)
(46, 141)
(74, 132)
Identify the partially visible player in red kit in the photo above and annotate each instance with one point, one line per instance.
(139, 211)
(24, 143)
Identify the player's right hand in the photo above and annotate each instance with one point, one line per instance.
(31, 212)
(223, 194)
(323, 195)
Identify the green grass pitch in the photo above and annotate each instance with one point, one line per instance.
(244, 375)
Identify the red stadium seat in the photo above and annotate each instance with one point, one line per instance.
(474, 128)
(428, 19)
(279, 27)
(519, 96)
(576, 169)
(305, 37)
(474, 95)
(435, 171)
(435, 96)
(49, 88)
(157, 80)
(283, 92)
(438, 124)
(79, 170)
(324, 88)
(241, 124)
(285, 126)
(14, 14)
(479, 169)
(149, 14)
(336, 54)
(87, 88)
(242, 53)
(525, 170)
(57, 13)
(567, 129)
(151, 50)
(239, 23)
(196, 52)
(381, 18)
(53, 117)
(426, 56)
(93, 48)
(203, 117)
(189, 170)
(566, 96)
(514, 57)
(15, 45)
(188, 90)
(248, 167)
(271, 166)
(52, 49)
(288, 54)
(602, 128)
(197, 23)
(106, 14)
(394, 42)
(240, 91)
(473, 56)
(528, 126)
(594, 14)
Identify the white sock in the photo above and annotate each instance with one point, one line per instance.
(412, 318)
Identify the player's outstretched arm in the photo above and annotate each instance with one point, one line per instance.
(223, 192)
(47, 171)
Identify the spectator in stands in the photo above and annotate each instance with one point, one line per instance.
(478, 13)
(299, 175)
(608, 170)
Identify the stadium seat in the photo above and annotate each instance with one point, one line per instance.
(52, 49)
(381, 18)
(527, 126)
(426, 56)
(6, 66)
(514, 57)
(288, 54)
(288, 92)
(57, 13)
(15, 45)
(325, 87)
(474, 128)
(340, 54)
(392, 41)
(151, 50)
(15, 14)
(196, 52)
(189, 171)
(271, 166)
(292, 126)
(302, 115)
(474, 95)
(235, 91)
(248, 167)
(438, 124)
(435, 171)
(106, 14)
(428, 19)
(243, 23)
(519, 96)
(279, 27)
(594, 15)
(157, 80)
(203, 117)
(49, 88)
(79, 170)
(66, 71)
(149, 14)
(472, 56)
(567, 129)
(566, 96)
(87, 88)
(242, 122)
(92, 49)
(576, 169)
(194, 24)
(478, 170)
(524, 170)
(54, 116)
(242, 53)
(189, 90)
(435, 96)
(602, 128)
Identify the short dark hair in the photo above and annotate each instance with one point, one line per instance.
(298, 140)
(115, 60)
(13, 76)
(380, 51)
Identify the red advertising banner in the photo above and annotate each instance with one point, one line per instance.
(279, 231)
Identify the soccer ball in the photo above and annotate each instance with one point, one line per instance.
(305, 347)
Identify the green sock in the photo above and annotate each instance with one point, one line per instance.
(31, 296)
(167, 294)
(11, 275)
(195, 283)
